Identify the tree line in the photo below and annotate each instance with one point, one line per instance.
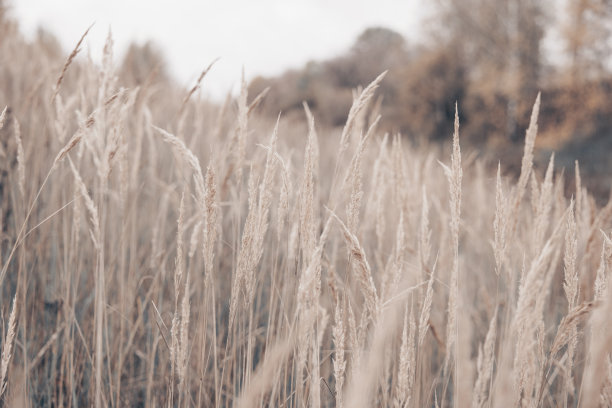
(491, 56)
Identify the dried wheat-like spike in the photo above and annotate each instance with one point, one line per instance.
(196, 86)
(3, 116)
(598, 351)
(211, 221)
(256, 226)
(424, 233)
(338, 333)
(354, 344)
(566, 332)
(175, 345)
(358, 105)
(499, 224)
(262, 213)
(307, 210)
(601, 279)
(309, 287)
(578, 190)
(245, 254)
(190, 159)
(283, 202)
(90, 205)
(426, 308)
(183, 352)
(179, 261)
(72, 55)
(526, 164)
(309, 290)
(526, 323)
(486, 359)
(454, 175)
(361, 268)
(570, 285)
(543, 205)
(354, 176)
(257, 100)
(407, 362)
(66, 149)
(7, 348)
(20, 159)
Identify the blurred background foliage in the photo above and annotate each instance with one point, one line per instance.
(488, 55)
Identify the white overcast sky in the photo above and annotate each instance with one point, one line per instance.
(264, 36)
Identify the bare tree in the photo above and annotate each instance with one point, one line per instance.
(500, 43)
(588, 38)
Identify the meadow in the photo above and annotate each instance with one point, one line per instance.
(161, 250)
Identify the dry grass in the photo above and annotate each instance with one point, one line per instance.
(306, 267)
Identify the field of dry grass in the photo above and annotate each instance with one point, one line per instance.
(161, 251)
